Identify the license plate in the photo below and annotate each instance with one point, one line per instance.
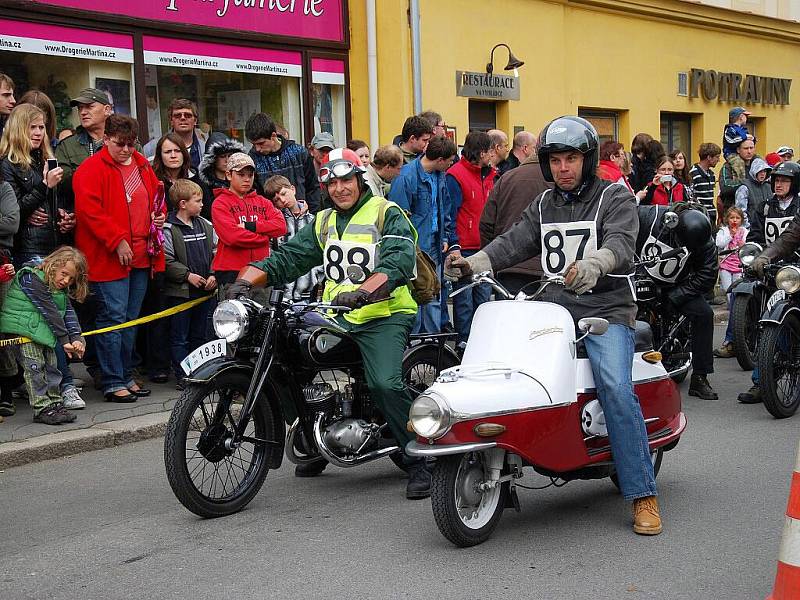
(203, 354)
(775, 298)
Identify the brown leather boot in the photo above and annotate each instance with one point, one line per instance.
(646, 518)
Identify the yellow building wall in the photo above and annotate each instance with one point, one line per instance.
(621, 55)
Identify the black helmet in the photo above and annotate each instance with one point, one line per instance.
(693, 230)
(565, 134)
(792, 171)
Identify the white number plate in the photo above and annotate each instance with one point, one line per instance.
(775, 298)
(203, 354)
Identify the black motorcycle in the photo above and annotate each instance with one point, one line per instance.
(779, 343)
(227, 430)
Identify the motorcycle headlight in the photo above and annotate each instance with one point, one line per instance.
(230, 320)
(430, 416)
(748, 253)
(788, 279)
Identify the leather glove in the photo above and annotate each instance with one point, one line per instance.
(582, 275)
(355, 299)
(240, 287)
(757, 266)
(458, 267)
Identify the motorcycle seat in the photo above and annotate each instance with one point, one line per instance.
(642, 340)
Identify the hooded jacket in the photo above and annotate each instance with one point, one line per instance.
(205, 171)
(752, 195)
(293, 162)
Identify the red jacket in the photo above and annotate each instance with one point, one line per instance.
(658, 194)
(102, 217)
(474, 193)
(237, 246)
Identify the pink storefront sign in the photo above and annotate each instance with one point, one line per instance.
(326, 70)
(306, 19)
(53, 40)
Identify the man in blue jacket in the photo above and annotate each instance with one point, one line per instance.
(421, 191)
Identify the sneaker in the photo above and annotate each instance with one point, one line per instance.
(725, 351)
(646, 516)
(55, 414)
(72, 399)
(7, 409)
(751, 396)
(700, 388)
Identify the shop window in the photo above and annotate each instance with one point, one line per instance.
(328, 98)
(227, 83)
(605, 122)
(676, 132)
(482, 115)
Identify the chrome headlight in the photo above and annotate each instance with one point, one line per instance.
(230, 320)
(430, 416)
(748, 253)
(788, 279)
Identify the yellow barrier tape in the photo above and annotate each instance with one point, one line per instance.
(140, 321)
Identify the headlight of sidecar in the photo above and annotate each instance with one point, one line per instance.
(788, 279)
(230, 320)
(430, 416)
(748, 253)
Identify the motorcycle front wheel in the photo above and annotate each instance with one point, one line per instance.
(779, 367)
(745, 314)
(465, 514)
(209, 475)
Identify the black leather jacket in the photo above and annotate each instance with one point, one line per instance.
(32, 193)
(699, 274)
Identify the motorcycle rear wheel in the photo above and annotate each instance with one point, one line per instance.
(464, 515)
(779, 368)
(745, 314)
(208, 478)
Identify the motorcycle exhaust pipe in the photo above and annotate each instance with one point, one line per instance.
(346, 463)
(289, 449)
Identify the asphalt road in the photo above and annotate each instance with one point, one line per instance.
(106, 525)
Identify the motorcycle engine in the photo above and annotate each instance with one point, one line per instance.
(320, 397)
(349, 436)
(593, 421)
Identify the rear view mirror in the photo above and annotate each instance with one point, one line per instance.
(593, 325)
(670, 220)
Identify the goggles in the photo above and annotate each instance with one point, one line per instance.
(342, 169)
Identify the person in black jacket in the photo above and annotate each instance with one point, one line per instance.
(693, 276)
(211, 171)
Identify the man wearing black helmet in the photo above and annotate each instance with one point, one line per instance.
(585, 229)
(770, 227)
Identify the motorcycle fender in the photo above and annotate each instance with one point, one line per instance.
(778, 313)
(745, 286)
(446, 351)
(206, 372)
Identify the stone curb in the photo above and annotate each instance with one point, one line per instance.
(66, 443)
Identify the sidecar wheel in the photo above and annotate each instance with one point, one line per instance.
(465, 515)
(207, 476)
(656, 457)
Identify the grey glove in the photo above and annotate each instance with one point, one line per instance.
(757, 266)
(588, 270)
(458, 267)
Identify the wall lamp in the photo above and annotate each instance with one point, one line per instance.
(513, 62)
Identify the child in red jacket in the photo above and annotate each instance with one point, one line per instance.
(244, 221)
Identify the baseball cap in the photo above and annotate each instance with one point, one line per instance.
(89, 95)
(785, 150)
(238, 161)
(735, 112)
(323, 140)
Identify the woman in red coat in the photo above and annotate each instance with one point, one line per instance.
(120, 211)
(665, 189)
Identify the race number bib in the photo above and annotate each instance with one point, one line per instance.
(668, 270)
(775, 226)
(564, 243)
(340, 255)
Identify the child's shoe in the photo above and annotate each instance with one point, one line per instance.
(7, 408)
(72, 399)
(55, 414)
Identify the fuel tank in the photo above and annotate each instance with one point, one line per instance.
(322, 343)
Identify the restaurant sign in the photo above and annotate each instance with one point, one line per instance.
(487, 86)
(735, 88)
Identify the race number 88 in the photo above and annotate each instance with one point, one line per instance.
(336, 263)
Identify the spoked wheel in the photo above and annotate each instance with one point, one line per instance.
(656, 457)
(465, 513)
(677, 357)
(779, 367)
(209, 473)
(421, 367)
(746, 313)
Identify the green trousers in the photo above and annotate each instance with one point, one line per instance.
(42, 377)
(382, 343)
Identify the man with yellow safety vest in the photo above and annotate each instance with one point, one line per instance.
(367, 268)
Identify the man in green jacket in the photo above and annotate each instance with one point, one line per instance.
(367, 247)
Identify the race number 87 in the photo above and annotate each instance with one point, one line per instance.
(556, 253)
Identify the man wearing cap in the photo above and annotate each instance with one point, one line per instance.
(321, 144)
(371, 282)
(786, 153)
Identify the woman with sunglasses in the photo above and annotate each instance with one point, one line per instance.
(116, 199)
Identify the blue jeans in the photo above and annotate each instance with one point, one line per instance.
(466, 303)
(611, 358)
(429, 316)
(188, 330)
(118, 301)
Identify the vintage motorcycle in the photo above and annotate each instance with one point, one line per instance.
(227, 430)
(524, 396)
(779, 342)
